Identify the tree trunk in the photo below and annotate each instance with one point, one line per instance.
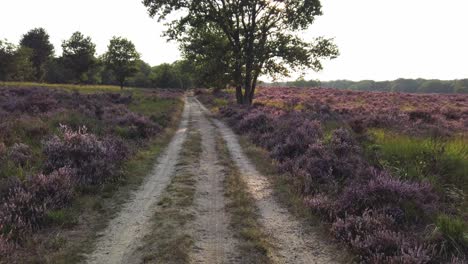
(239, 96)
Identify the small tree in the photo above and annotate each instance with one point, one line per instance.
(262, 36)
(42, 50)
(15, 62)
(7, 53)
(122, 59)
(78, 54)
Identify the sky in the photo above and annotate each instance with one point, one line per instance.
(378, 39)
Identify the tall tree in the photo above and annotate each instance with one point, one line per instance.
(122, 59)
(42, 50)
(208, 51)
(7, 57)
(262, 35)
(78, 54)
(15, 62)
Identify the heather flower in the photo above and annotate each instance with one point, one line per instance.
(92, 160)
(20, 154)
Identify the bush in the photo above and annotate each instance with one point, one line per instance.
(23, 207)
(408, 201)
(20, 154)
(137, 126)
(373, 238)
(92, 161)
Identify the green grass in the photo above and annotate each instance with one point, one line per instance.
(255, 246)
(170, 240)
(72, 231)
(71, 87)
(455, 232)
(441, 161)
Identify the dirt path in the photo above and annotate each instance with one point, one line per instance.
(123, 233)
(214, 242)
(294, 245)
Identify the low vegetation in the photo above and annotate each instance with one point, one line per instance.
(387, 172)
(170, 240)
(57, 146)
(254, 243)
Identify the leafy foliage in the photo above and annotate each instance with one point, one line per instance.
(121, 58)
(78, 54)
(256, 37)
(42, 50)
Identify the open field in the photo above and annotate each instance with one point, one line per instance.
(65, 151)
(99, 175)
(386, 171)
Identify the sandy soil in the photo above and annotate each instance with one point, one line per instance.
(214, 243)
(294, 245)
(118, 241)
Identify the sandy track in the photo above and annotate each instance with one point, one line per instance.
(294, 245)
(214, 242)
(124, 232)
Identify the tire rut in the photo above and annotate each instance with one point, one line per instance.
(123, 234)
(214, 242)
(288, 236)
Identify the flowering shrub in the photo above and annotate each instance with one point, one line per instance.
(383, 191)
(20, 154)
(137, 126)
(316, 137)
(25, 204)
(91, 160)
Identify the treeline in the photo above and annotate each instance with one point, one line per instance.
(34, 60)
(399, 85)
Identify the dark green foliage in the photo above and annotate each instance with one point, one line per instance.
(78, 55)
(15, 62)
(42, 50)
(258, 37)
(399, 85)
(121, 58)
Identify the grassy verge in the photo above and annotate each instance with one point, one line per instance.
(71, 232)
(71, 87)
(170, 241)
(254, 244)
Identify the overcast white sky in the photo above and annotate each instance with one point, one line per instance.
(378, 39)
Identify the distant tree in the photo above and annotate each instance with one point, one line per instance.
(142, 77)
(405, 85)
(261, 35)
(164, 76)
(207, 49)
(42, 50)
(461, 86)
(7, 53)
(186, 73)
(78, 55)
(22, 69)
(122, 59)
(434, 86)
(57, 72)
(15, 62)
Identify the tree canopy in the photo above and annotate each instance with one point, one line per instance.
(42, 50)
(261, 36)
(122, 59)
(78, 54)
